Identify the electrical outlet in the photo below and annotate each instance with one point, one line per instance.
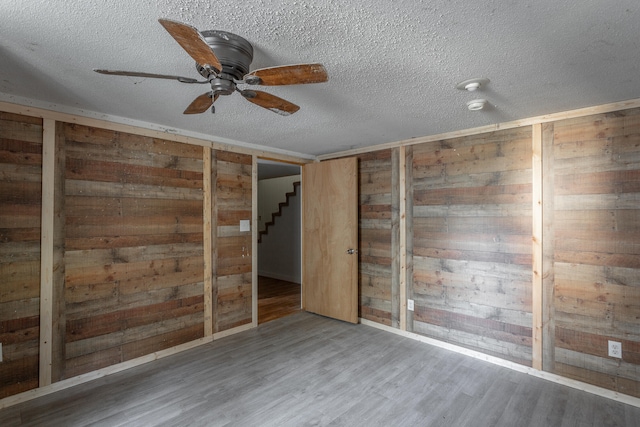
(410, 305)
(615, 349)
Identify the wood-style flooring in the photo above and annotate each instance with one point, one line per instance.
(304, 370)
(276, 299)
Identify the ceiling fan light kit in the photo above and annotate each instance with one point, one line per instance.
(223, 59)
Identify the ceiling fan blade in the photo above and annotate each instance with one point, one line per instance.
(201, 104)
(192, 42)
(150, 75)
(270, 102)
(288, 75)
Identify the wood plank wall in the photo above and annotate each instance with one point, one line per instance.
(133, 247)
(375, 238)
(471, 239)
(128, 247)
(20, 220)
(469, 249)
(595, 191)
(232, 287)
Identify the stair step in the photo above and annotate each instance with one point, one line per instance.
(274, 215)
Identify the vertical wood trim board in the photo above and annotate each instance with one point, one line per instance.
(46, 251)
(396, 243)
(537, 240)
(208, 242)
(407, 172)
(213, 172)
(303, 256)
(59, 314)
(254, 241)
(401, 160)
(548, 251)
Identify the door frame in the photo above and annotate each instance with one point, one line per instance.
(254, 230)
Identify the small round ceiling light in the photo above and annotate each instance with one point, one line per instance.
(476, 104)
(472, 85)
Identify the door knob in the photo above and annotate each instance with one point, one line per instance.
(352, 251)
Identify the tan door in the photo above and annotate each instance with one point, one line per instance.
(330, 239)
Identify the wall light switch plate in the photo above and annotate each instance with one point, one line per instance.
(410, 305)
(245, 225)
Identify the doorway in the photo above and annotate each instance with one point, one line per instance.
(279, 239)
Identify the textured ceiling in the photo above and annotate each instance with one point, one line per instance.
(393, 66)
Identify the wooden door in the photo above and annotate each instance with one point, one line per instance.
(330, 239)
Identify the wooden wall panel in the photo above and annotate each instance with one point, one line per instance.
(471, 242)
(232, 287)
(20, 222)
(133, 247)
(596, 258)
(375, 238)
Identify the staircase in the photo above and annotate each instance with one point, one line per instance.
(274, 215)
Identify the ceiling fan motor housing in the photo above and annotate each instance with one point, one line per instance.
(234, 52)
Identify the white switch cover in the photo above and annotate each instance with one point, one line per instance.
(245, 225)
(615, 349)
(410, 305)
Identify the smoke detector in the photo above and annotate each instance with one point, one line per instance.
(476, 104)
(472, 85)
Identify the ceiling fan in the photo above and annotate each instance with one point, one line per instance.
(223, 59)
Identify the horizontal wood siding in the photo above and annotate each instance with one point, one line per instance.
(20, 221)
(133, 247)
(596, 262)
(375, 236)
(472, 254)
(232, 287)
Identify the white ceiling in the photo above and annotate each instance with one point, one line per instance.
(393, 65)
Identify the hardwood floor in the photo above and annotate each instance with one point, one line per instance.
(276, 299)
(304, 370)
